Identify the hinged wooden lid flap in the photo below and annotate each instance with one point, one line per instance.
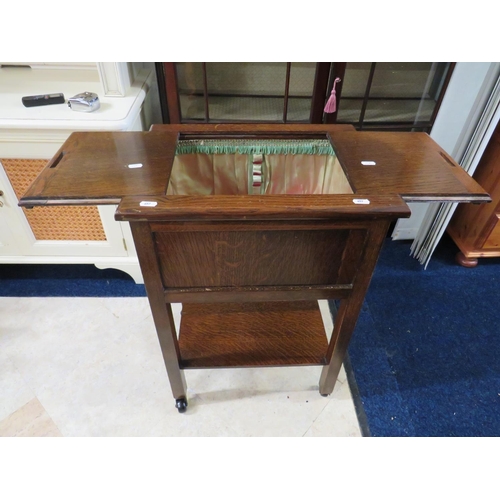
(410, 164)
(102, 167)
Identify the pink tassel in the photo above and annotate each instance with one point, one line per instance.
(331, 104)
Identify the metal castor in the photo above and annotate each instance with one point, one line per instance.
(181, 404)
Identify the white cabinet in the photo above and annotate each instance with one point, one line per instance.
(8, 243)
(29, 137)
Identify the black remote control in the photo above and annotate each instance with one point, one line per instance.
(42, 100)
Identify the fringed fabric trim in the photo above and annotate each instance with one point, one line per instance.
(253, 146)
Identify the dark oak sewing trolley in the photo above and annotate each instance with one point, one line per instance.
(248, 226)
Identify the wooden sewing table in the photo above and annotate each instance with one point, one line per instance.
(249, 243)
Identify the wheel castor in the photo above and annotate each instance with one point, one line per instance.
(324, 395)
(181, 404)
(465, 261)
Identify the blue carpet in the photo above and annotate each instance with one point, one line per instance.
(61, 280)
(425, 354)
(424, 359)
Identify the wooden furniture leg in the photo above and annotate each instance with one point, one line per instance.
(161, 311)
(465, 261)
(349, 309)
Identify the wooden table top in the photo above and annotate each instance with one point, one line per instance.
(102, 167)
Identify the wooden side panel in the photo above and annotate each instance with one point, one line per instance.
(260, 208)
(473, 227)
(256, 258)
(493, 240)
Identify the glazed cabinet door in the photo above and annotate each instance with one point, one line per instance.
(216, 92)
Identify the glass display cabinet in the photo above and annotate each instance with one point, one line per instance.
(248, 226)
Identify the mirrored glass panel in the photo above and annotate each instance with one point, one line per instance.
(256, 167)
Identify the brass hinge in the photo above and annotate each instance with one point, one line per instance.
(125, 244)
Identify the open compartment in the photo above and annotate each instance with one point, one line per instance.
(264, 166)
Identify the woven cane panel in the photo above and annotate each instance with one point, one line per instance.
(53, 223)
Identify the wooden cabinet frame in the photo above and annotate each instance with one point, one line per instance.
(312, 246)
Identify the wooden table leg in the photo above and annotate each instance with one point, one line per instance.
(349, 309)
(342, 330)
(165, 329)
(161, 311)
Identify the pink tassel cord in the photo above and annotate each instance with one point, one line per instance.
(331, 104)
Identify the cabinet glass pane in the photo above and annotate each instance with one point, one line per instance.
(399, 110)
(251, 108)
(246, 91)
(302, 76)
(402, 80)
(246, 79)
(299, 109)
(190, 87)
(353, 91)
(403, 92)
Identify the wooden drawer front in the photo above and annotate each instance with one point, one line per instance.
(258, 258)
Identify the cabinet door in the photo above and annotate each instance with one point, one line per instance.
(216, 92)
(8, 244)
(369, 95)
(54, 231)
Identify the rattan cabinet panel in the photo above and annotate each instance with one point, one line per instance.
(52, 223)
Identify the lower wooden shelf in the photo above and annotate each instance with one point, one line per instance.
(252, 334)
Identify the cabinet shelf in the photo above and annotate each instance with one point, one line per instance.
(252, 334)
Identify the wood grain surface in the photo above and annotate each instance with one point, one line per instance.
(91, 167)
(256, 258)
(257, 293)
(476, 228)
(252, 334)
(277, 247)
(260, 129)
(248, 208)
(408, 163)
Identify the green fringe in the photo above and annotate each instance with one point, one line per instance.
(251, 146)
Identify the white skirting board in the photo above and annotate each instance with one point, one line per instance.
(129, 265)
